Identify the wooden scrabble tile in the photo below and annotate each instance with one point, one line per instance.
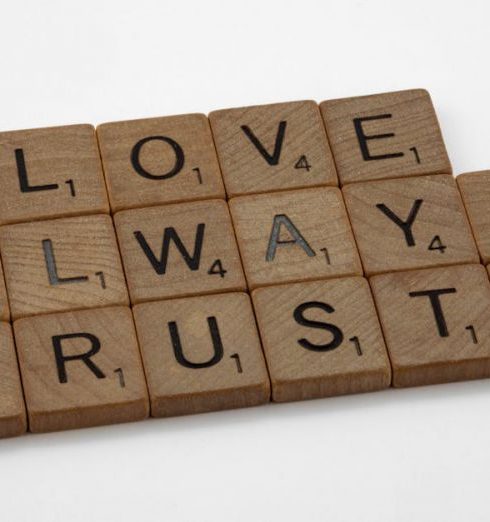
(409, 223)
(435, 323)
(179, 250)
(294, 236)
(201, 354)
(50, 172)
(4, 304)
(475, 190)
(272, 147)
(159, 160)
(321, 339)
(12, 409)
(81, 369)
(390, 135)
(62, 264)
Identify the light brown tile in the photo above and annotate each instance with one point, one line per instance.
(50, 172)
(4, 304)
(294, 236)
(409, 223)
(389, 135)
(159, 160)
(179, 250)
(205, 354)
(272, 147)
(321, 339)
(81, 369)
(12, 409)
(62, 264)
(435, 323)
(475, 190)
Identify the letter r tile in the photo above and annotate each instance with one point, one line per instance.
(81, 369)
(201, 354)
(272, 147)
(179, 250)
(435, 323)
(51, 172)
(389, 135)
(294, 236)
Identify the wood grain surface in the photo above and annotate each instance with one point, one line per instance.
(12, 408)
(294, 236)
(159, 160)
(62, 264)
(435, 339)
(81, 369)
(219, 362)
(179, 250)
(4, 303)
(389, 135)
(51, 172)
(409, 223)
(321, 339)
(272, 147)
(475, 190)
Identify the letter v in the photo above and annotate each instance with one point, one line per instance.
(272, 159)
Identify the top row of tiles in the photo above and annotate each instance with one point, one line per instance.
(58, 171)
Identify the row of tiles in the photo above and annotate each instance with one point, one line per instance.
(199, 248)
(60, 171)
(204, 353)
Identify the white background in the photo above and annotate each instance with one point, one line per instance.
(412, 455)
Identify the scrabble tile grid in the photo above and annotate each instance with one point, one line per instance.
(315, 388)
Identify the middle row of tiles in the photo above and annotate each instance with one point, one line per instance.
(191, 248)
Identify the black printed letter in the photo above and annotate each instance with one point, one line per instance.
(435, 302)
(170, 234)
(406, 226)
(24, 180)
(272, 159)
(215, 337)
(61, 359)
(54, 278)
(176, 148)
(274, 241)
(336, 332)
(363, 139)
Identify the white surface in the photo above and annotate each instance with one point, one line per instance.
(394, 456)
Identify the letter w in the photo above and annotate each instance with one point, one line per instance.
(170, 234)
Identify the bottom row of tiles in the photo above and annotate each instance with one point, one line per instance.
(204, 353)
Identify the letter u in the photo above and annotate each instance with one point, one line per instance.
(215, 337)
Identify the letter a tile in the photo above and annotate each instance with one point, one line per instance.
(62, 264)
(389, 135)
(321, 339)
(435, 323)
(81, 369)
(272, 147)
(294, 236)
(159, 160)
(400, 224)
(49, 173)
(201, 354)
(179, 250)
